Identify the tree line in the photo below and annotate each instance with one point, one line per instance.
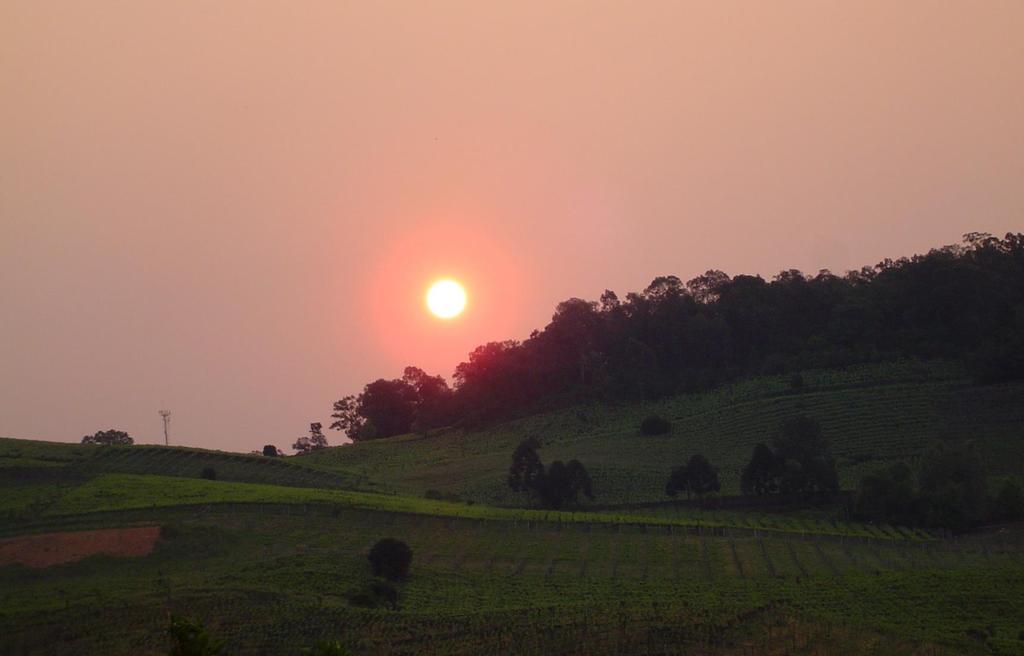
(963, 302)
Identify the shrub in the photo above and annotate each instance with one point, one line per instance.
(655, 425)
(108, 438)
(209, 473)
(796, 382)
(391, 559)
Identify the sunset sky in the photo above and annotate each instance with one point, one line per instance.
(235, 209)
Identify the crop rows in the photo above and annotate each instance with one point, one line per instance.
(241, 571)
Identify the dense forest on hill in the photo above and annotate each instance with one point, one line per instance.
(962, 302)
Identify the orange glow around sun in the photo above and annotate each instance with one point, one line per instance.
(399, 322)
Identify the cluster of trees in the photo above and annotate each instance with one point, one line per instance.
(800, 462)
(964, 302)
(695, 477)
(415, 402)
(950, 491)
(556, 486)
(108, 438)
(316, 440)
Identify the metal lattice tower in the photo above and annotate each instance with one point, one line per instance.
(166, 415)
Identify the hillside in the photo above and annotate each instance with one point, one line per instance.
(35, 461)
(872, 415)
(271, 556)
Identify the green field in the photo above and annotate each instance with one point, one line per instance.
(269, 554)
(272, 578)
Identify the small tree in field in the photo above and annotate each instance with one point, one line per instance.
(762, 473)
(526, 467)
(316, 440)
(391, 559)
(271, 451)
(108, 438)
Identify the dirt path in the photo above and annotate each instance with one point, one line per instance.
(55, 548)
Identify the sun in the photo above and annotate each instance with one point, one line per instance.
(446, 299)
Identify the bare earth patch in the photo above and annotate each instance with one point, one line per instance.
(55, 548)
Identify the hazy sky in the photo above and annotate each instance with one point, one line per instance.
(234, 208)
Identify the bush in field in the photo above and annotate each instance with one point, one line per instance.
(271, 451)
(189, 638)
(108, 438)
(209, 473)
(655, 425)
(695, 477)
(391, 559)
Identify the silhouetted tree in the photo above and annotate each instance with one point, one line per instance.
(804, 458)
(271, 451)
(526, 469)
(702, 476)
(391, 559)
(655, 425)
(963, 302)
(108, 438)
(562, 484)
(888, 496)
(433, 400)
(316, 440)
(761, 475)
(697, 477)
(953, 485)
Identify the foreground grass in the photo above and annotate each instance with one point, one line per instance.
(273, 578)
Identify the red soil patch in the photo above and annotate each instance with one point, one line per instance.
(55, 548)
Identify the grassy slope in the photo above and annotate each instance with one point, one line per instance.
(872, 415)
(25, 461)
(113, 492)
(273, 574)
